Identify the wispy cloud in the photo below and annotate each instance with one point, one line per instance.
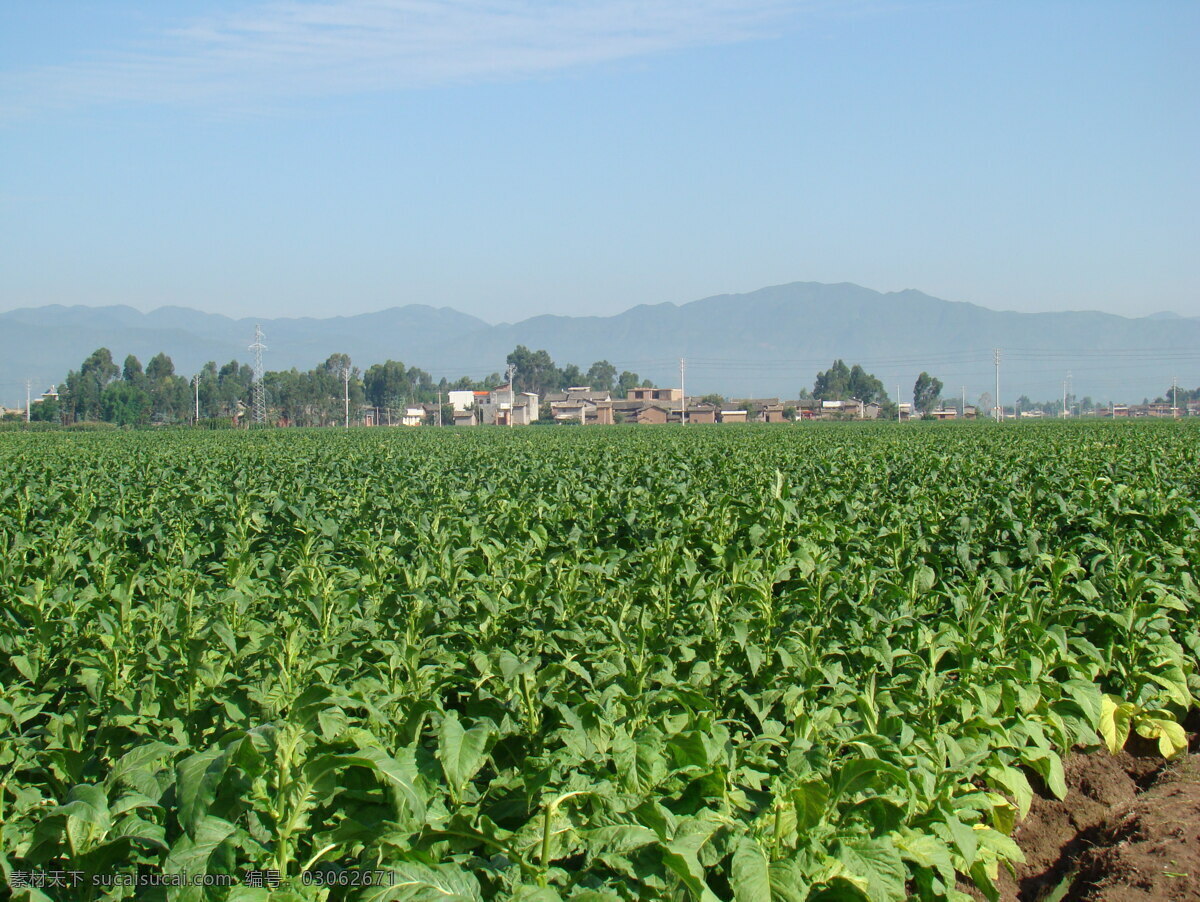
(291, 48)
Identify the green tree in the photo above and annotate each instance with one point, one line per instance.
(390, 384)
(834, 383)
(386, 383)
(570, 376)
(48, 410)
(82, 390)
(170, 395)
(233, 387)
(602, 376)
(927, 391)
(209, 390)
(627, 381)
(536, 371)
(125, 404)
(132, 372)
(841, 383)
(160, 367)
(866, 387)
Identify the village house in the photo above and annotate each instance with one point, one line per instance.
(807, 408)
(461, 399)
(1150, 410)
(773, 413)
(650, 415)
(577, 404)
(499, 407)
(755, 408)
(505, 407)
(654, 394)
(696, 413)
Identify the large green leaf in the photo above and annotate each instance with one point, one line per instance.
(750, 874)
(878, 863)
(426, 883)
(462, 752)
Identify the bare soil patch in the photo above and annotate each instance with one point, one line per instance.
(1128, 831)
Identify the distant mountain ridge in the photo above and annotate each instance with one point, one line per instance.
(768, 342)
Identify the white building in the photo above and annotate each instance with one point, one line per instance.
(461, 400)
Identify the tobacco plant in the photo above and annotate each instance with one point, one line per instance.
(785, 663)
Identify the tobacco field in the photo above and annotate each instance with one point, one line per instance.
(804, 662)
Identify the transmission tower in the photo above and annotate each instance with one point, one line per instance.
(999, 406)
(258, 390)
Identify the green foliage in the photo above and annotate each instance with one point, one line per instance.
(590, 664)
(390, 384)
(48, 410)
(927, 391)
(124, 404)
(602, 376)
(842, 383)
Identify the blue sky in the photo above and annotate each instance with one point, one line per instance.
(515, 158)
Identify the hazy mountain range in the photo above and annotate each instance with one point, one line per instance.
(769, 342)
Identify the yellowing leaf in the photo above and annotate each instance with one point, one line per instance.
(1116, 717)
(1171, 738)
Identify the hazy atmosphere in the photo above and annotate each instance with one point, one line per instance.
(324, 158)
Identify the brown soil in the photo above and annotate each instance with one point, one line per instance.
(1128, 831)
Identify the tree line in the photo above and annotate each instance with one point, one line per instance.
(535, 371)
(133, 395)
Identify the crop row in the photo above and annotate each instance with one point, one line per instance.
(753, 664)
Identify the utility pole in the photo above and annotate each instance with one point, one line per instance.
(439, 407)
(346, 395)
(964, 407)
(512, 397)
(897, 402)
(682, 393)
(1174, 397)
(999, 406)
(196, 386)
(28, 387)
